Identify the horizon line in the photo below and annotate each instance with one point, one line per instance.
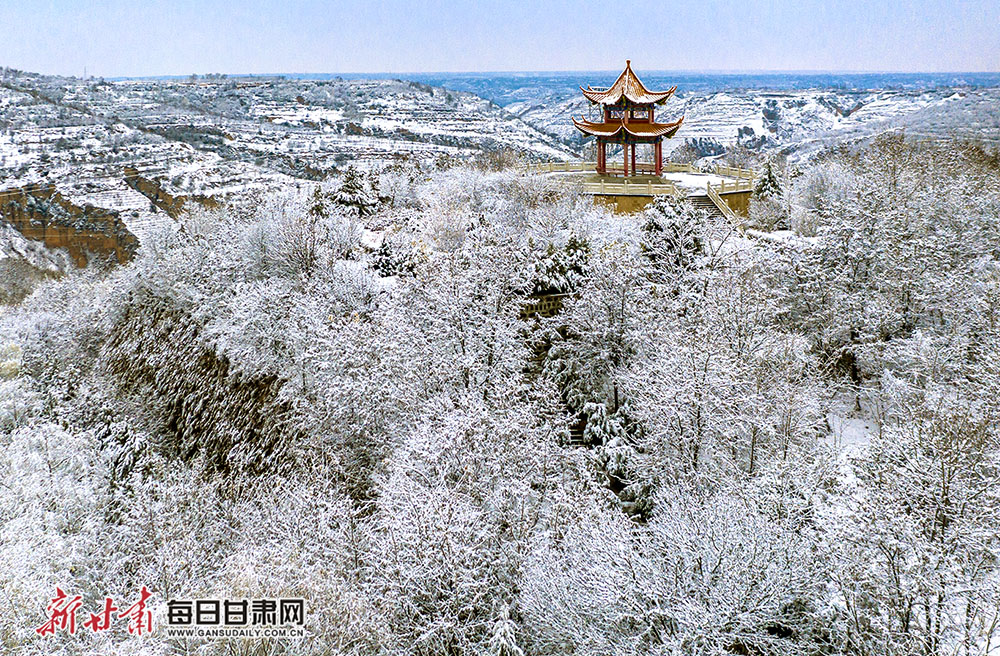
(705, 71)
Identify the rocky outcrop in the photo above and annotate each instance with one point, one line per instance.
(199, 402)
(41, 213)
(173, 205)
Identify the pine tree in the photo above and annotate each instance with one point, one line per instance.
(673, 234)
(504, 642)
(355, 193)
(767, 185)
(560, 270)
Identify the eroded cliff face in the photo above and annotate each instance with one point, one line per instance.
(198, 401)
(42, 214)
(152, 189)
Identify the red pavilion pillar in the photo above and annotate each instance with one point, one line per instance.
(633, 159)
(625, 157)
(659, 158)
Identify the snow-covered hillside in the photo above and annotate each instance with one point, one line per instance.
(217, 138)
(779, 444)
(761, 119)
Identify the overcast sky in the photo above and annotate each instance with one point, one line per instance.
(157, 37)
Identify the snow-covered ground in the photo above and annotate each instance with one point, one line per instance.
(14, 246)
(693, 183)
(852, 424)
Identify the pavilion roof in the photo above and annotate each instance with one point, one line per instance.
(612, 128)
(628, 86)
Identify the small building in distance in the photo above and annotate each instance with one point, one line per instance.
(628, 119)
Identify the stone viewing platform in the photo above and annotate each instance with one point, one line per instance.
(725, 190)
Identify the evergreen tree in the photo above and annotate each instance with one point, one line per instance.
(673, 234)
(355, 193)
(767, 184)
(503, 642)
(560, 270)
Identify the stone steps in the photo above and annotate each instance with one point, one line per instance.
(576, 434)
(703, 202)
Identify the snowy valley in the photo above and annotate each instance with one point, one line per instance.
(266, 337)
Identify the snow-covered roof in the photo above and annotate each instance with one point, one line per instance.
(627, 86)
(642, 130)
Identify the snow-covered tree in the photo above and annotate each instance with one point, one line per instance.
(355, 193)
(262, 404)
(766, 185)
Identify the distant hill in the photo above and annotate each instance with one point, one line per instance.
(141, 147)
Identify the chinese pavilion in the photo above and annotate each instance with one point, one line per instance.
(627, 108)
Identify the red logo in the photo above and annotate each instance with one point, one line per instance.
(62, 615)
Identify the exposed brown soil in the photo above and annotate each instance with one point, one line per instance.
(42, 214)
(173, 205)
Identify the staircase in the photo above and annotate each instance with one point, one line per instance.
(703, 202)
(576, 433)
